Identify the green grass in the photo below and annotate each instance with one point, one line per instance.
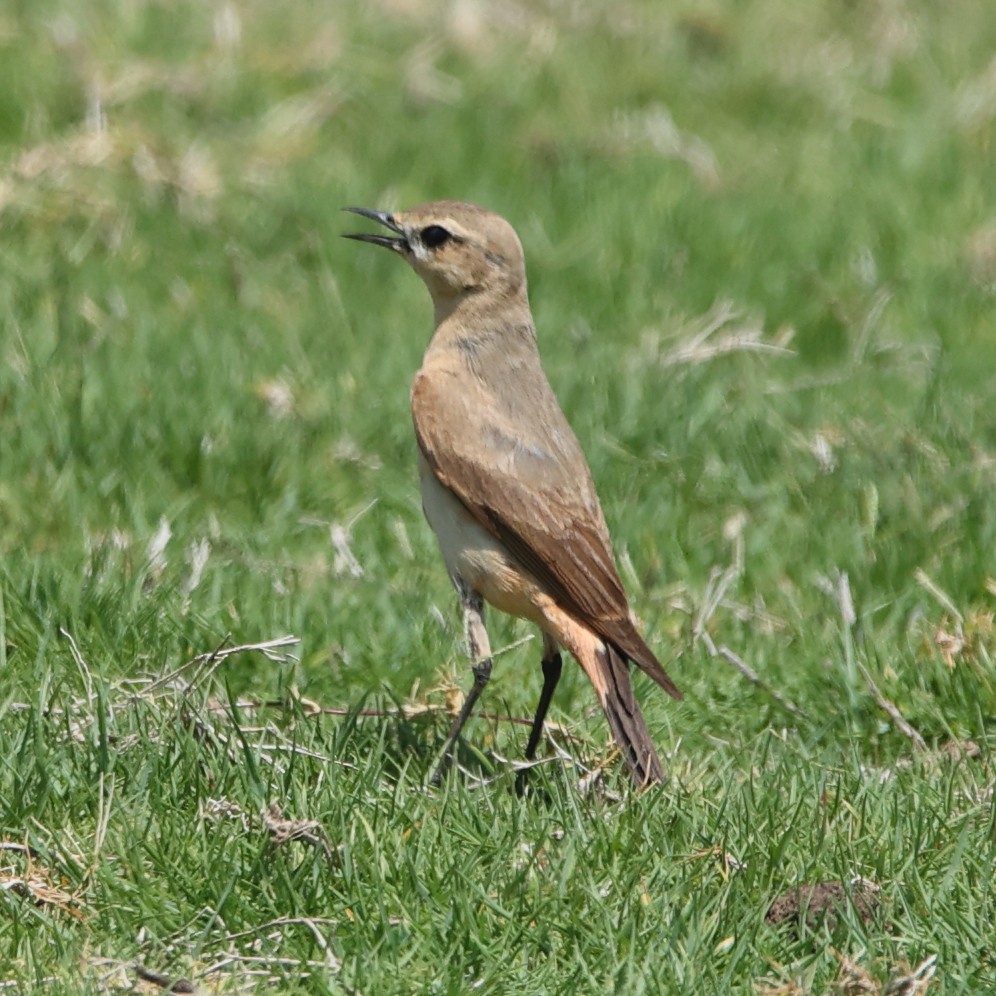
(188, 350)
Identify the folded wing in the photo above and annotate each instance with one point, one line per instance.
(526, 481)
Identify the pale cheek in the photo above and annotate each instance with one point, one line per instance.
(439, 280)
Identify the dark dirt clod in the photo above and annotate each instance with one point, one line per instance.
(819, 904)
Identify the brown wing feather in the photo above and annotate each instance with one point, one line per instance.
(527, 482)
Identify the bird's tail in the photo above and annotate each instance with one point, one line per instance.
(625, 719)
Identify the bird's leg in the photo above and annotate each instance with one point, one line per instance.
(552, 665)
(479, 651)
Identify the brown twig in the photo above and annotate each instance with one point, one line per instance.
(163, 982)
(267, 647)
(892, 709)
(282, 830)
(754, 678)
(406, 712)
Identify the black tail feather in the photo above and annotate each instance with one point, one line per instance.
(627, 723)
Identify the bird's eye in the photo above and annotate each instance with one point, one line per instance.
(433, 236)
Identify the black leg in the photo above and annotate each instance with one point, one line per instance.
(552, 666)
(479, 650)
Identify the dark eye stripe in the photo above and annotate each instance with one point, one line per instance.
(433, 236)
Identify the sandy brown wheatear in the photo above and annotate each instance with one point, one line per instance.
(505, 485)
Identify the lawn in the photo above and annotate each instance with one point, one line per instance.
(761, 241)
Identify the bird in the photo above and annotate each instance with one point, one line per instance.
(504, 482)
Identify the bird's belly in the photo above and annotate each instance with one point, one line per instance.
(473, 555)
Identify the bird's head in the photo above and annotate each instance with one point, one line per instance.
(458, 249)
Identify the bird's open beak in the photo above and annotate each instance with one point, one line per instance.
(387, 220)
